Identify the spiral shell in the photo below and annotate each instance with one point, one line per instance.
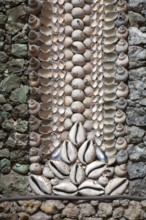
(121, 170)
(34, 123)
(122, 90)
(34, 107)
(34, 139)
(121, 143)
(121, 74)
(122, 156)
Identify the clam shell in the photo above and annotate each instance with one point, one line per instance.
(77, 174)
(116, 186)
(65, 188)
(59, 168)
(77, 134)
(68, 152)
(90, 187)
(95, 169)
(86, 152)
(40, 184)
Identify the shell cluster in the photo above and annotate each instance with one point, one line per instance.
(78, 96)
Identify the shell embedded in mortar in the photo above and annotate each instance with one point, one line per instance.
(40, 184)
(77, 174)
(59, 168)
(116, 186)
(65, 188)
(95, 169)
(68, 152)
(91, 187)
(86, 152)
(77, 134)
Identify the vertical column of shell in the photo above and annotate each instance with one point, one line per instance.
(110, 86)
(97, 75)
(45, 73)
(34, 80)
(78, 90)
(122, 88)
(58, 71)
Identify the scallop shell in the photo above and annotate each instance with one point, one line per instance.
(110, 16)
(65, 188)
(116, 186)
(68, 152)
(86, 152)
(40, 184)
(95, 169)
(90, 187)
(59, 168)
(77, 134)
(77, 174)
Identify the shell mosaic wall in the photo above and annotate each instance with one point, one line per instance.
(72, 97)
(77, 78)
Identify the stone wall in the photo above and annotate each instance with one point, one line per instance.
(14, 89)
(68, 210)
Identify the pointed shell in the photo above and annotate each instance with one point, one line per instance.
(90, 187)
(116, 186)
(68, 152)
(77, 174)
(86, 152)
(77, 134)
(40, 185)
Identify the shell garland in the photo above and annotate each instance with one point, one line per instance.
(78, 95)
